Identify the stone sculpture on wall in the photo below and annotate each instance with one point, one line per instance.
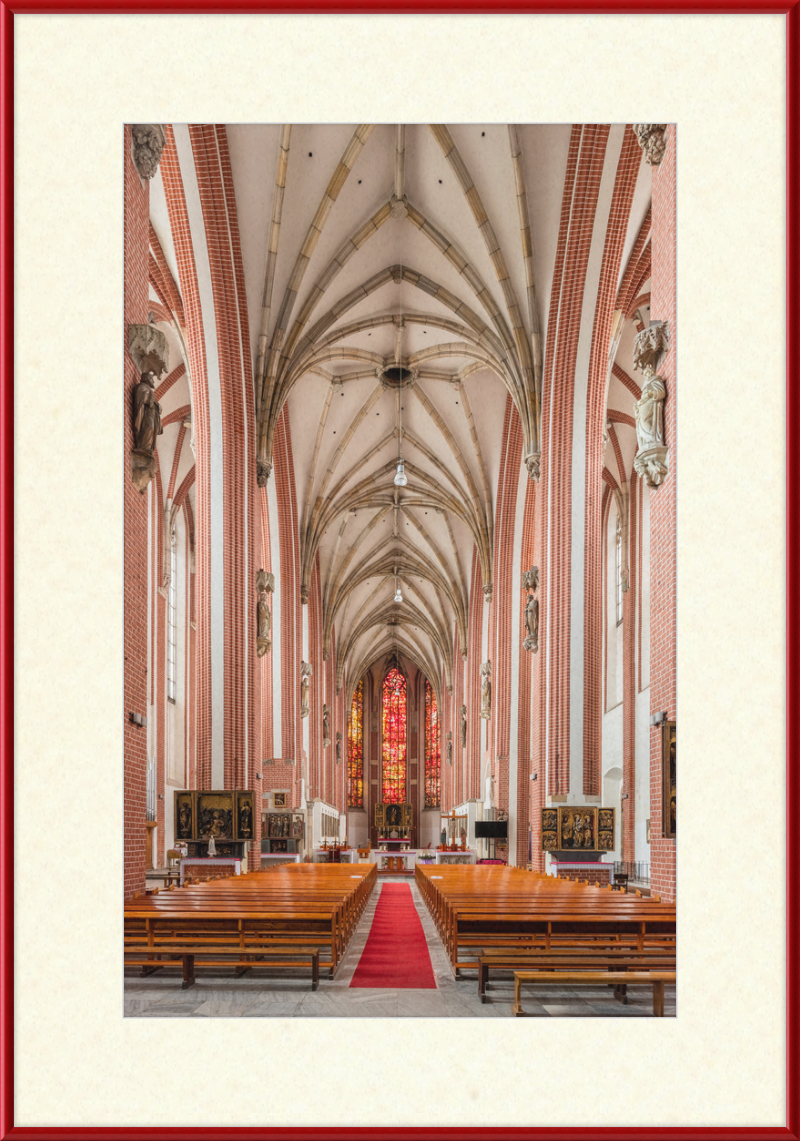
(449, 747)
(486, 691)
(148, 348)
(652, 458)
(146, 429)
(305, 673)
(326, 726)
(338, 747)
(652, 139)
(463, 726)
(265, 584)
(530, 582)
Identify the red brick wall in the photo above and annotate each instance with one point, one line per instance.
(663, 646)
(581, 186)
(136, 223)
(630, 160)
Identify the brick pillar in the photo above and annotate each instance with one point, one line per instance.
(663, 516)
(137, 211)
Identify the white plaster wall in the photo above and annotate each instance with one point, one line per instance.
(612, 770)
(429, 827)
(614, 637)
(642, 737)
(357, 827)
(645, 614)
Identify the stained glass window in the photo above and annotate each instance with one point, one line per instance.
(433, 750)
(355, 750)
(394, 737)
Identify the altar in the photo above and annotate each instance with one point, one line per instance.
(206, 866)
(273, 859)
(394, 861)
(457, 856)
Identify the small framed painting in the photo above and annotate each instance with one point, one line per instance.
(279, 799)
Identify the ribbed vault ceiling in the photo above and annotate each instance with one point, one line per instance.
(367, 248)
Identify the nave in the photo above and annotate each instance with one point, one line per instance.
(393, 988)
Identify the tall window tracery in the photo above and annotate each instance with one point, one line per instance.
(355, 749)
(433, 750)
(393, 705)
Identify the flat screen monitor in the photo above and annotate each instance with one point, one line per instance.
(491, 829)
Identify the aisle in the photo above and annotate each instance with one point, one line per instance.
(396, 953)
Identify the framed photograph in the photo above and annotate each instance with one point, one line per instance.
(279, 799)
(668, 780)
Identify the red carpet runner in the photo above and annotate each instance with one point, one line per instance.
(396, 954)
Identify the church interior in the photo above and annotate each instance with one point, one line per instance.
(399, 433)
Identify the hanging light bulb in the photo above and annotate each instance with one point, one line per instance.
(400, 478)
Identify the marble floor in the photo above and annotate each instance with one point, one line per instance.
(261, 997)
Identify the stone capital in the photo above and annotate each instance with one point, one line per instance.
(263, 470)
(147, 143)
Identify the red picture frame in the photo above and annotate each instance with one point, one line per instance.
(791, 1129)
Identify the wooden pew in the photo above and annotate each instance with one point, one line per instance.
(656, 979)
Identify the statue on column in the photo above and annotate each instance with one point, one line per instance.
(651, 461)
(463, 726)
(530, 581)
(488, 795)
(305, 673)
(265, 584)
(338, 747)
(147, 414)
(449, 748)
(486, 691)
(326, 726)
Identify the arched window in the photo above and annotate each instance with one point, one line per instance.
(355, 750)
(394, 737)
(433, 750)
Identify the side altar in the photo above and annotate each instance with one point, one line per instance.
(224, 816)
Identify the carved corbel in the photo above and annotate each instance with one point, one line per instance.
(263, 471)
(487, 592)
(533, 464)
(147, 143)
(653, 140)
